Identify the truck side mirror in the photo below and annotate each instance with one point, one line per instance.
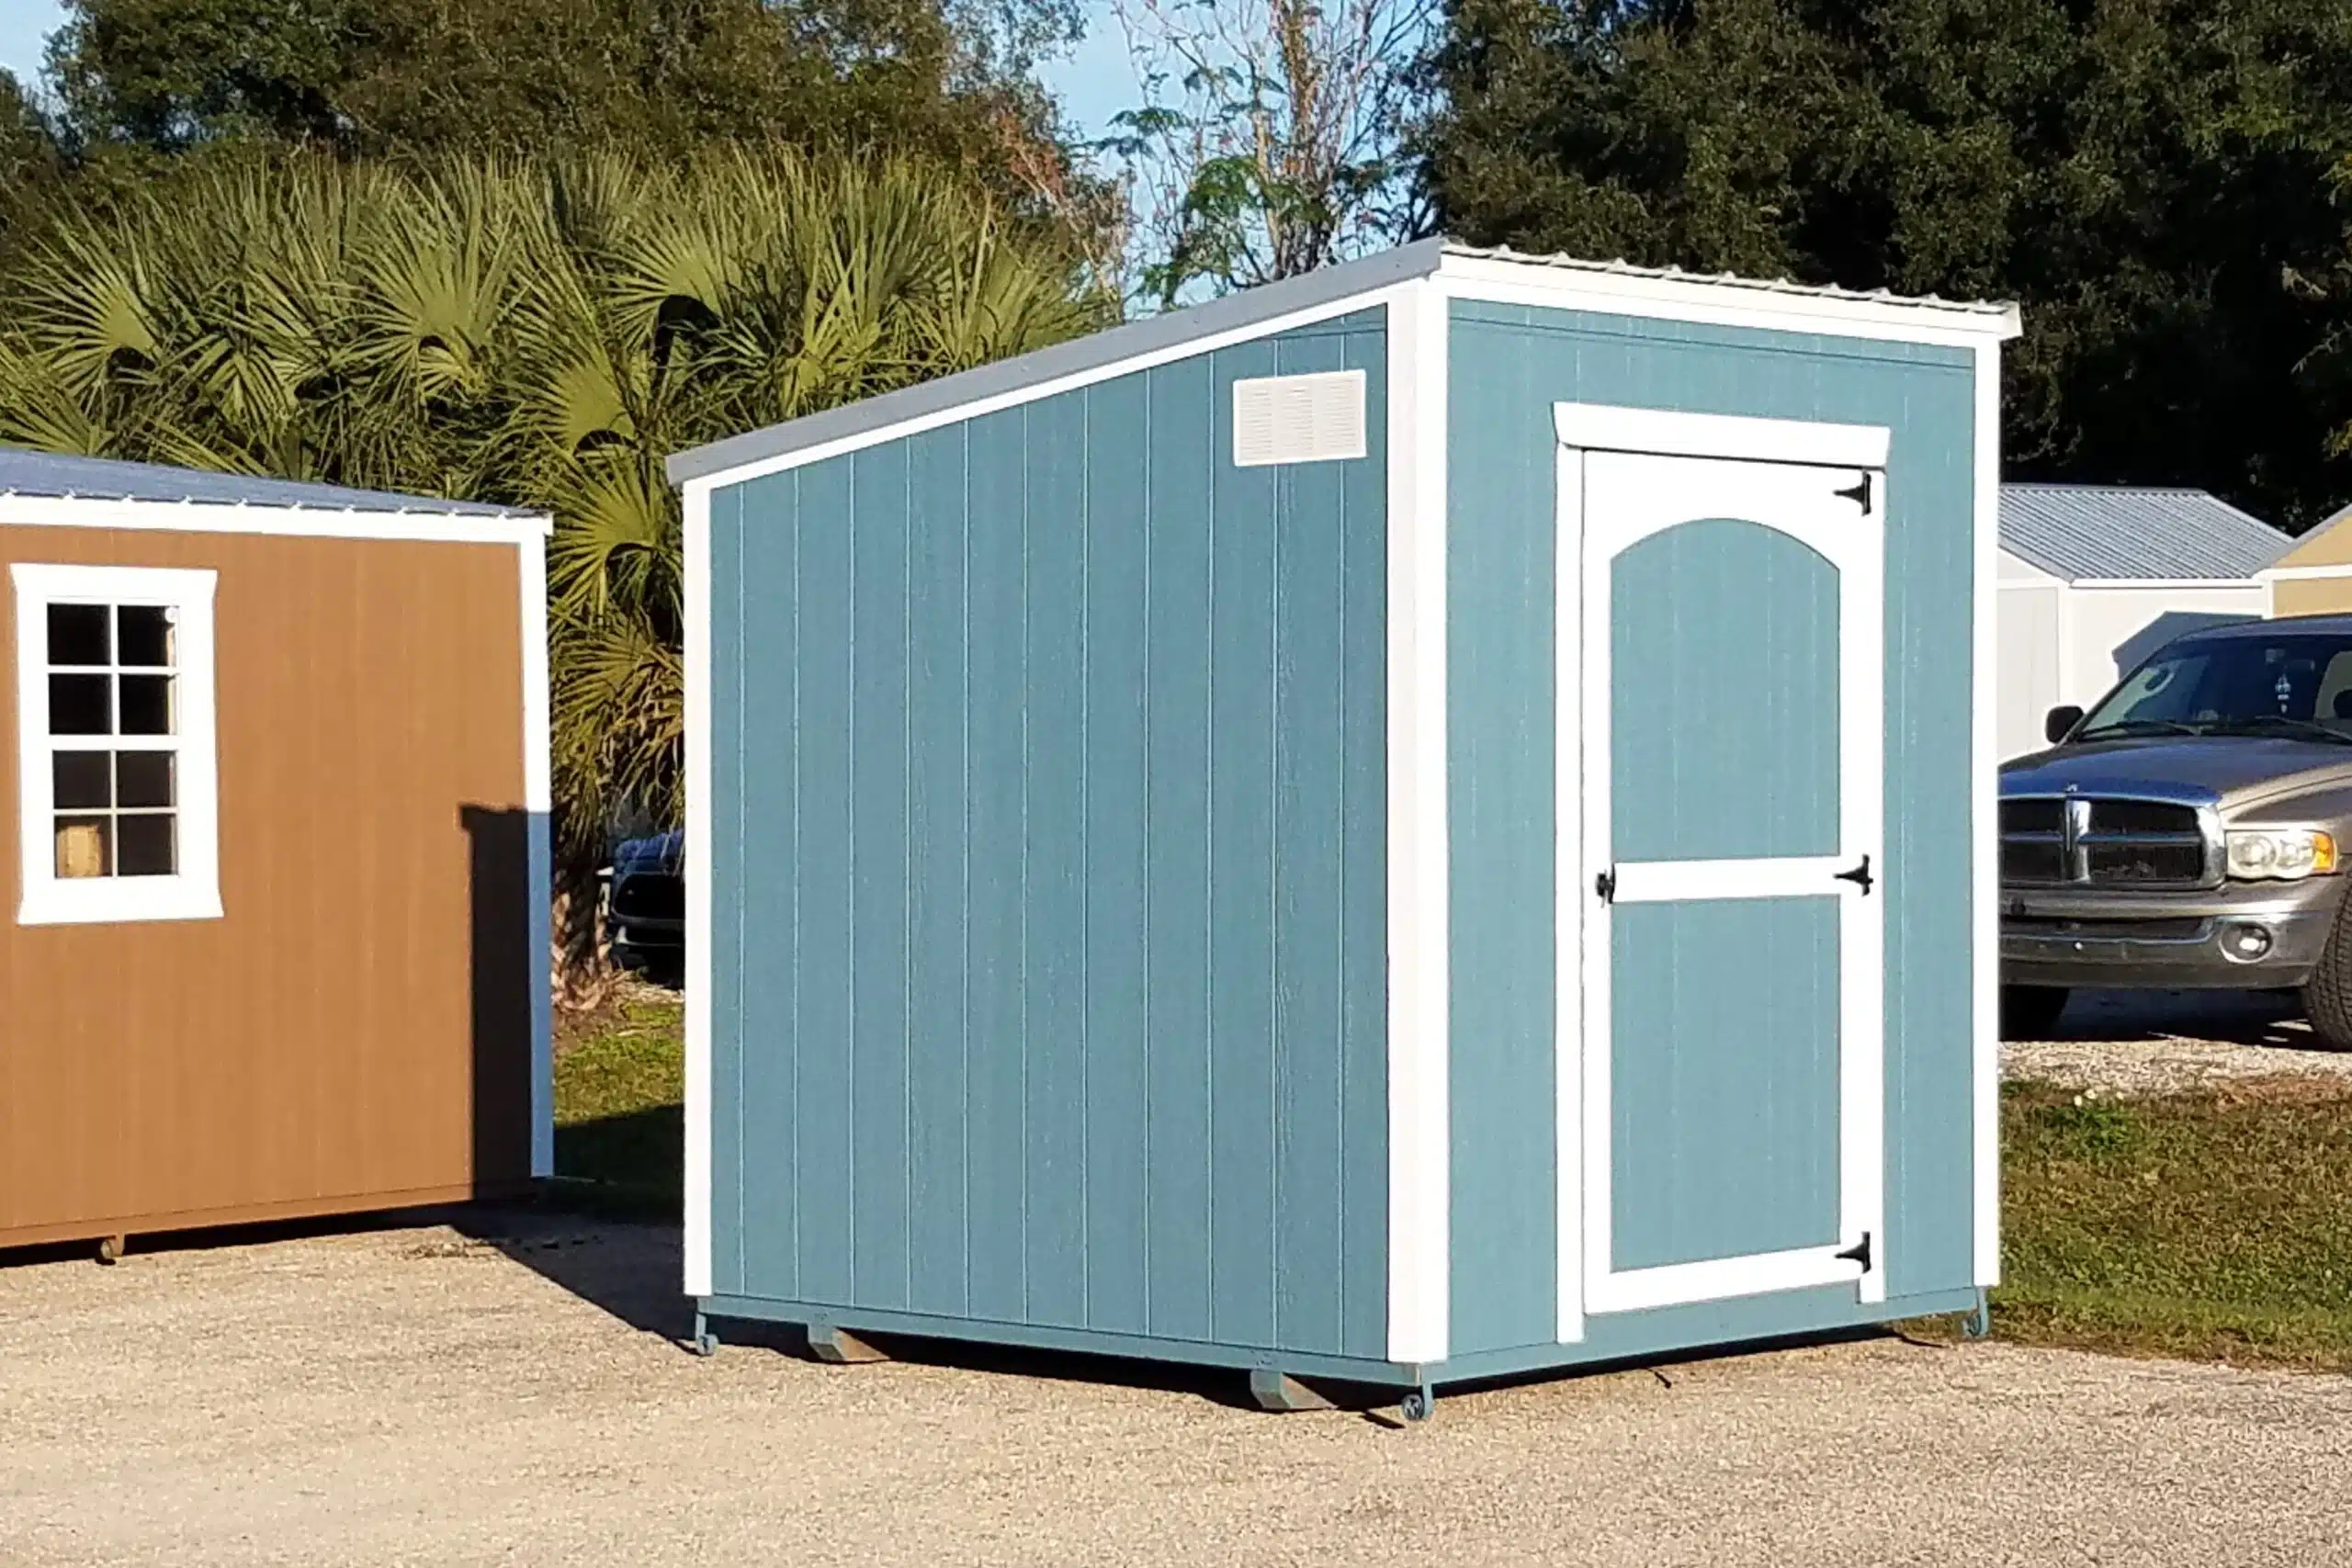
(2059, 720)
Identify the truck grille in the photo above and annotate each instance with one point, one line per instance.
(2076, 840)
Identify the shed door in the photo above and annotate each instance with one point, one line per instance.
(1731, 759)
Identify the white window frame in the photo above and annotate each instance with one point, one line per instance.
(194, 892)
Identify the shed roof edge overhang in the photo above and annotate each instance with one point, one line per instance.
(1473, 273)
(25, 510)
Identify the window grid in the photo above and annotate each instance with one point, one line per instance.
(113, 738)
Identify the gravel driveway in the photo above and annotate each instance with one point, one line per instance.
(2139, 1042)
(413, 1396)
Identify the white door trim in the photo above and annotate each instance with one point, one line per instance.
(1603, 427)
(1587, 1282)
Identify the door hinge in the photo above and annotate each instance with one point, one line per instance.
(1859, 492)
(1605, 885)
(1860, 1253)
(1859, 876)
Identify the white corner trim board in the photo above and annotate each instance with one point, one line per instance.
(297, 522)
(1601, 427)
(538, 798)
(699, 932)
(1985, 750)
(192, 891)
(1419, 1124)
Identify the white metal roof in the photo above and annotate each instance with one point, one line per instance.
(52, 476)
(1472, 272)
(2075, 531)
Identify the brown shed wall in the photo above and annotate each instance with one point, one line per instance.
(356, 1030)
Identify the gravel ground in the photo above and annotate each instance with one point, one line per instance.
(2142, 1042)
(416, 1396)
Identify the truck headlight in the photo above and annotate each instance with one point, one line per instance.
(2285, 855)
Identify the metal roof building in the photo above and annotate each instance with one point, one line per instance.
(2094, 578)
(2074, 531)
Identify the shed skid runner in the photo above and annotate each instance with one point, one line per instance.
(1428, 821)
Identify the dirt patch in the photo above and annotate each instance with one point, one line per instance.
(512, 1397)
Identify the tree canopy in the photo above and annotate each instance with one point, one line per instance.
(2150, 178)
(542, 333)
(941, 79)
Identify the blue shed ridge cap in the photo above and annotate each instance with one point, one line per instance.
(2152, 533)
(59, 476)
(1238, 312)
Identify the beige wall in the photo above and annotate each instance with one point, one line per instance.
(2311, 596)
(357, 1027)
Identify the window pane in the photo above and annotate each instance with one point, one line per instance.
(143, 635)
(79, 705)
(84, 847)
(82, 779)
(146, 704)
(143, 845)
(77, 635)
(141, 778)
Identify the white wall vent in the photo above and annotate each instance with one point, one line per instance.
(1298, 419)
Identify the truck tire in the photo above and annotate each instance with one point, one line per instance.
(2327, 995)
(2030, 1012)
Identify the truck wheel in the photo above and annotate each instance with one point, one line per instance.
(2030, 1012)
(2327, 995)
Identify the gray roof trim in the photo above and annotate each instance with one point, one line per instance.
(2000, 308)
(2134, 532)
(1234, 312)
(1254, 307)
(55, 476)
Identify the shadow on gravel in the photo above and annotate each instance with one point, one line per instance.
(2239, 1018)
(628, 1267)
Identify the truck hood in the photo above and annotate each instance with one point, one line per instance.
(2234, 770)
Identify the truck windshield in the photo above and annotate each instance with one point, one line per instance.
(2289, 684)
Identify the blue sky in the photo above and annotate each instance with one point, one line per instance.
(1094, 84)
(23, 24)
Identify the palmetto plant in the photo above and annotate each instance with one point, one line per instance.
(538, 334)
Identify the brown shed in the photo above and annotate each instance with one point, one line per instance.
(278, 943)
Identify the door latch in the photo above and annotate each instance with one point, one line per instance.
(1859, 492)
(1605, 886)
(1859, 1253)
(1859, 876)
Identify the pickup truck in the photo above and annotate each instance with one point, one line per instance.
(2187, 831)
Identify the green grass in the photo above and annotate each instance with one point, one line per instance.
(2212, 1226)
(2215, 1225)
(619, 1091)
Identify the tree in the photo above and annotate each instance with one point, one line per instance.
(425, 78)
(2147, 178)
(1269, 142)
(540, 333)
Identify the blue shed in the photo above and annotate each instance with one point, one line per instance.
(1424, 821)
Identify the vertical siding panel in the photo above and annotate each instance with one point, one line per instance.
(1117, 1032)
(879, 867)
(1241, 891)
(1309, 747)
(936, 726)
(1177, 676)
(995, 1148)
(1364, 826)
(1500, 808)
(768, 825)
(824, 1189)
(1055, 904)
(725, 930)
